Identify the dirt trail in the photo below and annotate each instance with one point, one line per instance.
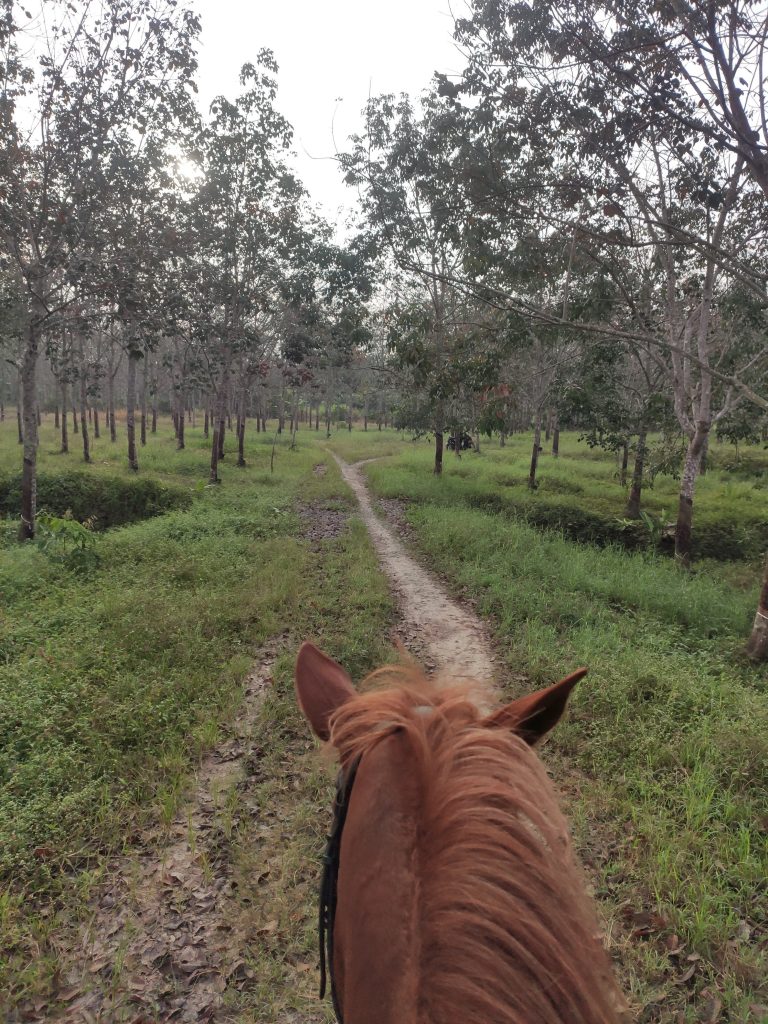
(163, 942)
(436, 629)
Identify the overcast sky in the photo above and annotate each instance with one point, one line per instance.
(327, 49)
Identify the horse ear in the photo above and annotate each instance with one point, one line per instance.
(321, 687)
(533, 716)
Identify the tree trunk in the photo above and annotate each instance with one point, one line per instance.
(111, 405)
(64, 420)
(29, 466)
(217, 444)
(317, 417)
(633, 502)
(96, 429)
(532, 484)
(438, 453)
(83, 412)
(55, 415)
(130, 412)
(75, 425)
(624, 464)
(144, 386)
(19, 421)
(556, 437)
(757, 648)
(241, 423)
(180, 421)
(206, 432)
(687, 487)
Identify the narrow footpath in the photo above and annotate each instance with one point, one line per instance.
(435, 629)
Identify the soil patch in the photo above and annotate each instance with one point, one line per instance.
(319, 524)
(164, 940)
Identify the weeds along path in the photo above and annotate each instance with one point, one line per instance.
(163, 942)
(438, 632)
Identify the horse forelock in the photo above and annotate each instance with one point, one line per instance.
(507, 932)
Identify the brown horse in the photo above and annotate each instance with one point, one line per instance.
(451, 889)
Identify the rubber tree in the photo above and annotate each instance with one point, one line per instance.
(99, 73)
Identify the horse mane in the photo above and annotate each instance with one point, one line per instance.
(510, 947)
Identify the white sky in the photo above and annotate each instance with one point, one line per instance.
(327, 49)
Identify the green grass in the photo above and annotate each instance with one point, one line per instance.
(666, 745)
(579, 492)
(114, 680)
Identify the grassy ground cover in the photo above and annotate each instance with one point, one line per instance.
(579, 492)
(664, 758)
(113, 680)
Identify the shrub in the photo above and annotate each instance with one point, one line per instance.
(106, 500)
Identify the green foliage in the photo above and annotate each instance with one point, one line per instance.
(582, 499)
(104, 501)
(66, 540)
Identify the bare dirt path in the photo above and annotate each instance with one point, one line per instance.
(163, 942)
(435, 629)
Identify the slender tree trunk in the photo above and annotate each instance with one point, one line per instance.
(205, 424)
(55, 416)
(220, 414)
(222, 433)
(317, 417)
(111, 404)
(241, 423)
(438, 468)
(548, 429)
(19, 419)
(180, 443)
(64, 420)
(29, 465)
(155, 399)
(687, 488)
(532, 483)
(96, 428)
(144, 386)
(75, 425)
(130, 412)
(633, 502)
(757, 647)
(556, 437)
(624, 464)
(280, 412)
(83, 412)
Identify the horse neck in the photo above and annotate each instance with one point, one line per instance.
(376, 954)
(444, 915)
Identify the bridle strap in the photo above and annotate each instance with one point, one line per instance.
(330, 881)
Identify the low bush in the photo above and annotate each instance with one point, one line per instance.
(106, 500)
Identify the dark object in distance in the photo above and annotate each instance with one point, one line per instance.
(465, 443)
